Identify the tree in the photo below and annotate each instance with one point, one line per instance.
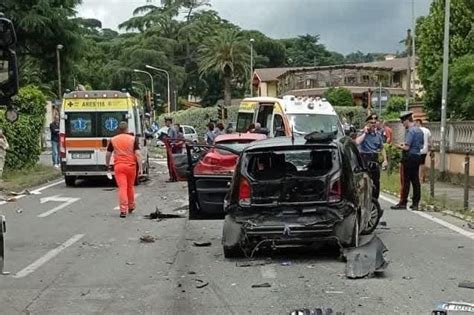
(430, 32)
(461, 91)
(305, 51)
(227, 54)
(40, 27)
(339, 96)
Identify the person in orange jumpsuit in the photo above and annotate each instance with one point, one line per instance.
(126, 152)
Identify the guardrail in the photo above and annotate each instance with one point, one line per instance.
(459, 135)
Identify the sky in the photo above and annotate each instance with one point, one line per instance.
(343, 25)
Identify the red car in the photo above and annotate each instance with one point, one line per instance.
(211, 176)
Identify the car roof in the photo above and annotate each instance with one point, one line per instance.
(240, 136)
(281, 142)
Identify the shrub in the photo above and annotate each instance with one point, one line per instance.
(24, 134)
(395, 104)
(339, 96)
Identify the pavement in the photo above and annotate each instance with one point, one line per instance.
(68, 252)
(451, 192)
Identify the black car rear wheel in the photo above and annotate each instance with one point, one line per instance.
(375, 215)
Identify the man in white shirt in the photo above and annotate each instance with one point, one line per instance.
(425, 149)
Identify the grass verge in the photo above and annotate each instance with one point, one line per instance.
(390, 183)
(17, 180)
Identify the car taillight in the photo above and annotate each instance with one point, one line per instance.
(335, 191)
(244, 192)
(62, 145)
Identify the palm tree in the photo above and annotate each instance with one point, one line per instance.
(227, 54)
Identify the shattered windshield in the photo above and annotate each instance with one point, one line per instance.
(303, 124)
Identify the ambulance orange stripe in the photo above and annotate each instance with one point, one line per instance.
(80, 143)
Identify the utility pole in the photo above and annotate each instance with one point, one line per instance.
(444, 96)
(251, 66)
(413, 44)
(58, 60)
(409, 45)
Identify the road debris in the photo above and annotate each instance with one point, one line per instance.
(470, 225)
(262, 285)
(286, 263)
(365, 261)
(19, 211)
(202, 244)
(307, 311)
(160, 215)
(191, 273)
(147, 239)
(85, 293)
(201, 284)
(466, 284)
(407, 278)
(253, 263)
(130, 263)
(453, 308)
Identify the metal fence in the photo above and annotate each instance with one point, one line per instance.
(459, 135)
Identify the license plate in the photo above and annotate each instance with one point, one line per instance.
(81, 155)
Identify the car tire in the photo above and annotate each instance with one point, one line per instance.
(375, 215)
(232, 251)
(70, 181)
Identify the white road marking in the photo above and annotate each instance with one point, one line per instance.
(35, 192)
(136, 196)
(66, 202)
(268, 272)
(49, 255)
(434, 219)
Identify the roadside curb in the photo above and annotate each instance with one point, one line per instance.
(433, 208)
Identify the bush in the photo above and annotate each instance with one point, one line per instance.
(24, 134)
(354, 115)
(395, 104)
(339, 96)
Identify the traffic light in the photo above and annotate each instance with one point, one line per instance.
(225, 112)
(219, 111)
(156, 100)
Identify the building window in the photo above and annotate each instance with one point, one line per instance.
(350, 80)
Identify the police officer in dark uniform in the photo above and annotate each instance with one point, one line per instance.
(410, 164)
(370, 142)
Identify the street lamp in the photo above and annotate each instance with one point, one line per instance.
(444, 88)
(251, 66)
(152, 85)
(168, 78)
(58, 61)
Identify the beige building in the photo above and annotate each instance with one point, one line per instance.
(359, 78)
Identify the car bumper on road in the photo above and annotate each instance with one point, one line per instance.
(287, 230)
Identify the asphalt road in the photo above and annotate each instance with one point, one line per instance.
(68, 252)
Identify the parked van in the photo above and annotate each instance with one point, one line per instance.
(289, 115)
(88, 120)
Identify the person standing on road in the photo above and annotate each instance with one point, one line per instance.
(54, 129)
(3, 152)
(370, 143)
(170, 142)
(387, 133)
(210, 136)
(424, 150)
(410, 163)
(126, 152)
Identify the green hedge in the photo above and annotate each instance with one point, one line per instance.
(24, 134)
(199, 117)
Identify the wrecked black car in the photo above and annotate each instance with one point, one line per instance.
(297, 191)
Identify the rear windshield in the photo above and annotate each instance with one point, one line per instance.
(236, 145)
(294, 163)
(93, 124)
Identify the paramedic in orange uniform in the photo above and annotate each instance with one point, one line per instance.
(126, 151)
